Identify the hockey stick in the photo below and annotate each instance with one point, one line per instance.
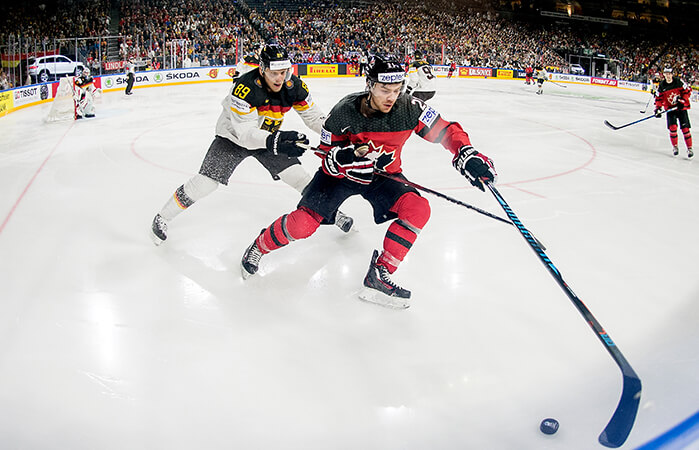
(406, 182)
(559, 84)
(450, 199)
(619, 426)
(643, 111)
(606, 122)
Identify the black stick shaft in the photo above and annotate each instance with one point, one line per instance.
(619, 426)
(606, 122)
(453, 200)
(443, 196)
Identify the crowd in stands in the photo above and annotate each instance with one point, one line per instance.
(187, 33)
(194, 32)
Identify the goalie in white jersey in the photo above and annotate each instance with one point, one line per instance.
(422, 83)
(85, 92)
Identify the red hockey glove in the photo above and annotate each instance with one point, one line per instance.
(474, 166)
(346, 162)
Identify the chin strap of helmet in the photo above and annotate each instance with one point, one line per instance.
(367, 109)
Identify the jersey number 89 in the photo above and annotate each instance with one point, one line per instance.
(241, 91)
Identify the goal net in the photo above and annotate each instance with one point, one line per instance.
(63, 105)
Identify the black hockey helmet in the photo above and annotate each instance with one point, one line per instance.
(385, 68)
(417, 54)
(275, 57)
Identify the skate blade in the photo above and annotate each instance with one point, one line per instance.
(156, 240)
(378, 298)
(245, 274)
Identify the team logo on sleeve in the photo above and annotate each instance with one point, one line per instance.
(325, 136)
(428, 116)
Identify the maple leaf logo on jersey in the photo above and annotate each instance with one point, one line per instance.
(673, 98)
(384, 158)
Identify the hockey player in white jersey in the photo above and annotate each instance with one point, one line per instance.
(251, 61)
(249, 125)
(85, 92)
(422, 83)
(541, 75)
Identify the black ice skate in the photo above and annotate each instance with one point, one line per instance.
(251, 260)
(158, 231)
(343, 222)
(379, 289)
(675, 150)
(690, 153)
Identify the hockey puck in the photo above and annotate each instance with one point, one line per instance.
(549, 426)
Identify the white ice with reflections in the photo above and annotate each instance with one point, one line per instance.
(109, 342)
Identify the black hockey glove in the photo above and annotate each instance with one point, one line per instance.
(474, 166)
(349, 162)
(289, 143)
(658, 112)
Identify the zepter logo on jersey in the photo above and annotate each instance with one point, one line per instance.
(325, 136)
(428, 116)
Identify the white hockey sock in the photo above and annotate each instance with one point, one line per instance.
(296, 177)
(196, 188)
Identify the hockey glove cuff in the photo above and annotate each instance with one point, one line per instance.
(474, 166)
(288, 143)
(349, 162)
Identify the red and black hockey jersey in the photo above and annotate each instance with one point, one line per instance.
(386, 133)
(671, 94)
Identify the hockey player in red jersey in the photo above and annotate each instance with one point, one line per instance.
(529, 75)
(362, 138)
(253, 112)
(452, 69)
(674, 93)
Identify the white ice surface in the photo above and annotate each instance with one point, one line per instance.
(108, 342)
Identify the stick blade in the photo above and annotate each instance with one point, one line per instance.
(619, 426)
(606, 122)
